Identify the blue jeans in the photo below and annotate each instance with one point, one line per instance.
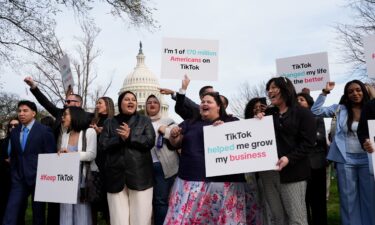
(356, 188)
(162, 189)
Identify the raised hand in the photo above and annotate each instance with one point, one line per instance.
(29, 81)
(166, 91)
(329, 86)
(185, 82)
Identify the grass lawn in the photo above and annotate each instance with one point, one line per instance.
(333, 207)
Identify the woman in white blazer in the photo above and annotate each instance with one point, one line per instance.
(76, 124)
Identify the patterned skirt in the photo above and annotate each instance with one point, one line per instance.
(194, 202)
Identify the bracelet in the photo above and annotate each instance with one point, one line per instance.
(325, 91)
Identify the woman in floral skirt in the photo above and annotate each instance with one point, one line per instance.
(197, 199)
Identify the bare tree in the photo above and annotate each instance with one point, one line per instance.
(8, 106)
(245, 93)
(28, 26)
(87, 54)
(351, 35)
(48, 77)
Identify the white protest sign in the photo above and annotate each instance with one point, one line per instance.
(369, 47)
(195, 57)
(66, 72)
(371, 157)
(310, 71)
(240, 147)
(57, 178)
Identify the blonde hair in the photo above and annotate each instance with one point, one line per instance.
(110, 109)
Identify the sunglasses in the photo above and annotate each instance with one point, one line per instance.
(13, 125)
(69, 101)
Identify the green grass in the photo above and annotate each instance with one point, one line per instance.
(333, 207)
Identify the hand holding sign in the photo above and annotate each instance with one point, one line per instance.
(185, 82)
(217, 123)
(69, 91)
(368, 146)
(283, 162)
(63, 150)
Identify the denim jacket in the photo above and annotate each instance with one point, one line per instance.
(337, 150)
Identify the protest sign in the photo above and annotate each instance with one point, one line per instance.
(240, 147)
(310, 71)
(194, 57)
(369, 47)
(66, 72)
(57, 178)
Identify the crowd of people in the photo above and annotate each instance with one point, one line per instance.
(150, 170)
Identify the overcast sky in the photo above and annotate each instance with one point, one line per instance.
(252, 34)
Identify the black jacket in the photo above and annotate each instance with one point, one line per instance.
(295, 138)
(185, 107)
(368, 113)
(53, 110)
(4, 165)
(128, 162)
(318, 156)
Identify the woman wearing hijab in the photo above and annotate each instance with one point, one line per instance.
(127, 140)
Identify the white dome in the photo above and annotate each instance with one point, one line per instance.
(143, 83)
(141, 75)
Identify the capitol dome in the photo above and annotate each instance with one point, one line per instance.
(142, 82)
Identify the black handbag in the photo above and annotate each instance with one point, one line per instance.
(93, 184)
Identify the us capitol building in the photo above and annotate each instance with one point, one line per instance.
(143, 83)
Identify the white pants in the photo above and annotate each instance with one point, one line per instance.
(77, 214)
(130, 207)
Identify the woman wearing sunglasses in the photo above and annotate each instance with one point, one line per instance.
(5, 171)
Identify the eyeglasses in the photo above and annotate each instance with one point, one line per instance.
(13, 125)
(69, 101)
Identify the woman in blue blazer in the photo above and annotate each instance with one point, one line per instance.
(355, 183)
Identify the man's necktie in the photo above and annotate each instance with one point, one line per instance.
(25, 133)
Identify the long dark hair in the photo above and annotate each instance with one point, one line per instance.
(121, 96)
(308, 98)
(349, 104)
(79, 120)
(8, 125)
(288, 93)
(249, 109)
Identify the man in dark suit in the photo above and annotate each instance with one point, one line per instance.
(28, 140)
